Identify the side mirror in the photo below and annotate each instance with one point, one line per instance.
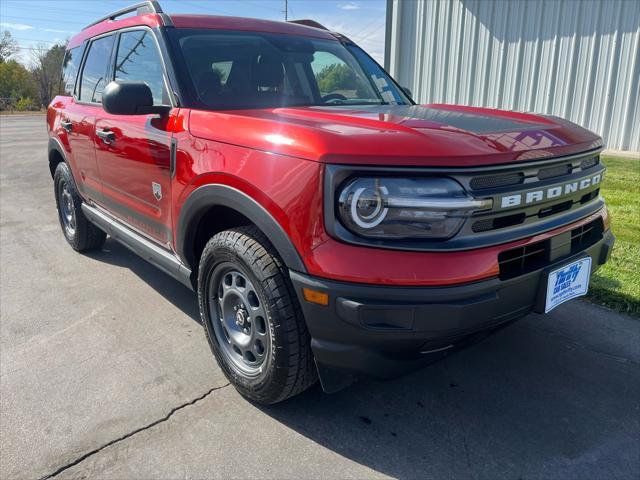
(407, 92)
(130, 98)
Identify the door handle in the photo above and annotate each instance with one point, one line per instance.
(67, 125)
(106, 135)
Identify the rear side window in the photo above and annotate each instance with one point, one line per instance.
(70, 66)
(139, 60)
(95, 70)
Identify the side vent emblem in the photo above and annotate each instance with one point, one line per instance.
(157, 190)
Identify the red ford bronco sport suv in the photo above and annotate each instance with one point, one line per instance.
(331, 227)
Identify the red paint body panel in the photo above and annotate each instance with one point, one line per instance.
(248, 25)
(290, 189)
(349, 263)
(201, 21)
(137, 158)
(79, 143)
(393, 135)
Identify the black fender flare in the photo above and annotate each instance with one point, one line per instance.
(217, 195)
(55, 145)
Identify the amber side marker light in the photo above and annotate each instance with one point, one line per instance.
(313, 296)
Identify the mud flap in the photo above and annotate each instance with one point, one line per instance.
(333, 380)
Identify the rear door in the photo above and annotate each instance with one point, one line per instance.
(79, 115)
(133, 151)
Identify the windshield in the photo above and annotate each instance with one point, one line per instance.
(235, 70)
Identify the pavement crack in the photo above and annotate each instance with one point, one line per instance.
(132, 433)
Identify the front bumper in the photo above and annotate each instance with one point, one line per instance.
(382, 331)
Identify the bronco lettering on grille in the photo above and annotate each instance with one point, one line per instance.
(536, 196)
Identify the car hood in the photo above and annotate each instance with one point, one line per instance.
(398, 135)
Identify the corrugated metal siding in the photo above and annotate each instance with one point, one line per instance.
(576, 59)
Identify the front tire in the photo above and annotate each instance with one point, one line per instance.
(81, 234)
(252, 318)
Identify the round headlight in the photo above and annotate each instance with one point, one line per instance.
(391, 207)
(367, 206)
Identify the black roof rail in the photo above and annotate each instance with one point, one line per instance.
(149, 6)
(312, 23)
(309, 23)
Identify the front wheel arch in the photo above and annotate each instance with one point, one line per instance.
(207, 197)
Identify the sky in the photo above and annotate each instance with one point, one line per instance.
(46, 22)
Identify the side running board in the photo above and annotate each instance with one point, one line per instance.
(161, 258)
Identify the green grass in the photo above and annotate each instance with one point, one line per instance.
(617, 284)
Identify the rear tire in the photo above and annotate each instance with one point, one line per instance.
(252, 318)
(81, 234)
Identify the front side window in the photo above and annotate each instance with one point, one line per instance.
(227, 70)
(70, 66)
(95, 70)
(138, 59)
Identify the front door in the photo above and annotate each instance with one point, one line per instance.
(133, 151)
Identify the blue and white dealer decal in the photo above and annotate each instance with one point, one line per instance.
(568, 282)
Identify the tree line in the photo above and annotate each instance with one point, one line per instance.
(29, 88)
(339, 77)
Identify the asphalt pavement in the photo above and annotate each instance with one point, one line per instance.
(105, 373)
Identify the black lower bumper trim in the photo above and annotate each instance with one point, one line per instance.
(383, 331)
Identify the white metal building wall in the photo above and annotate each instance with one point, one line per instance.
(577, 59)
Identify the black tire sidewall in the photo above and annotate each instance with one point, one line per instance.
(63, 176)
(274, 373)
(86, 236)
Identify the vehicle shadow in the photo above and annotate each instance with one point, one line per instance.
(525, 402)
(117, 254)
(520, 404)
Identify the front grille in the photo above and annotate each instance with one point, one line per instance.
(532, 174)
(505, 221)
(586, 198)
(521, 260)
(555, 209)
(498, 222)
(586, 235)
(589, 162)
(495, 181)
(555, 171)
(554, 185)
